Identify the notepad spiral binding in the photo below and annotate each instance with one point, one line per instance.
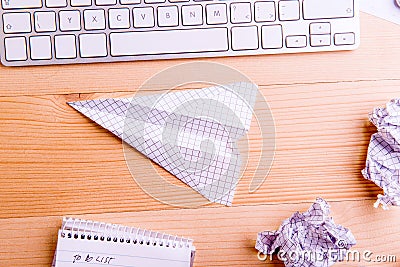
(107, 232)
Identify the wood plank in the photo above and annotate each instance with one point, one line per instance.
(55, 161)
(223, 236)
(373, 61)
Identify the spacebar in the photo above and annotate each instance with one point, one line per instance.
(169, 42)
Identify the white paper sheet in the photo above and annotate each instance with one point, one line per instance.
(385, 9)
(95, 244)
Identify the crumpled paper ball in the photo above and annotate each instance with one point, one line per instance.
(383, 159)
(309, 239)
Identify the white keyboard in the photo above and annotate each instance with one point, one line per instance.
(45, 32)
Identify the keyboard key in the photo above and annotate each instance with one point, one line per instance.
(45, 21)
(16, 4)
(154, 1)
(93, 45)
(56, 3)
(264, 11)
(143, 17)
(15, 48)
(345, 38)
(320, 28)
(289, 10)
(94, 19)
(296, 41)
(81, 2)
(65, 46)
(192, 15)
(49, 31)
(167, 16)
(40, 47)
(327, 9)
(105, 2)
(216, 14)
(272, 36)
(119, 18)
(244, 38)
(17, 22)
(70, 20)
(130, 2)
(240, 12)
(174, 41)
(320, 39)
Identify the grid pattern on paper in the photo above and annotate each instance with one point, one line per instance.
(311, 231)
(383, 159)
(192, 134)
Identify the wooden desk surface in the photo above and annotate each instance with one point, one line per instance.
(55, 162)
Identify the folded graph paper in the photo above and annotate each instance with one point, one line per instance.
(383, 159)
(309, 239)
(192, 134)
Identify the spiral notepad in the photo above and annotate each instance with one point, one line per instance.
(89, 243)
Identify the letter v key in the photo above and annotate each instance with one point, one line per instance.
(143, 17)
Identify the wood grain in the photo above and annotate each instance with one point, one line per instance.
(53, 155)
(55, 162)
(373, 61)
(223, 236)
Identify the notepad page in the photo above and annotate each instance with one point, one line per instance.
(96, 253)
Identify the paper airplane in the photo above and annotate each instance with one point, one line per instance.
(192, 134)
